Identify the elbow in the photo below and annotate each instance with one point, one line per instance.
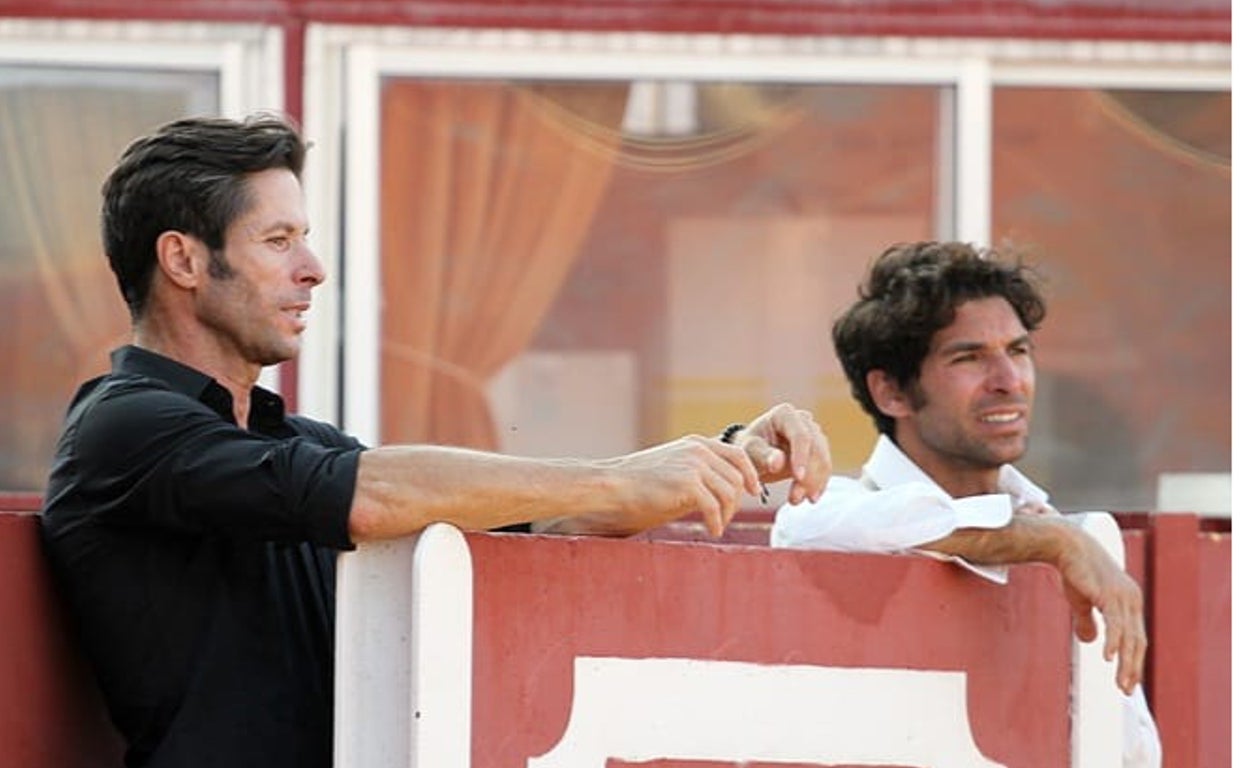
(369, 523)
(376, 521)
(362, 526)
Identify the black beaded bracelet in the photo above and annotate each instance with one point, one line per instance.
(729, 432)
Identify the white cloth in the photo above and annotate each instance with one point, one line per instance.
(895, 507)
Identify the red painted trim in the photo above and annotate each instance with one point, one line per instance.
(1215, 524)
(1215, 695)
(294, 67)
(1165, 20)
(20, 502)
(1175, 642)
(294, 106)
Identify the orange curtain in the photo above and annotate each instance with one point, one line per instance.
(488, 191)
(61, 310)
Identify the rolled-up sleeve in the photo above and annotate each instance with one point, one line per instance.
(850, 517)
(190, 471)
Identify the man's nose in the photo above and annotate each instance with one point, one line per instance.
(1004, 374)
(311, 269)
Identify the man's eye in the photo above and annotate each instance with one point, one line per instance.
(280, 242)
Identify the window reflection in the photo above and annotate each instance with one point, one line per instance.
(1123, 199)
(587, 268)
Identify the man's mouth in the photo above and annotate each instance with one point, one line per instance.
(296, 311)
(1001, 417)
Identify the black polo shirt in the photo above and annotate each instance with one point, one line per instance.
(198, 562)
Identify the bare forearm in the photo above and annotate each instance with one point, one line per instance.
(1026, 539)
(402, 489)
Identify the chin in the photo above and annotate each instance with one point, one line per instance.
(1009, 453)
(276, 356)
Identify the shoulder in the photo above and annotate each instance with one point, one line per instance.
(122, 399)
(321, 432)
(115, 416)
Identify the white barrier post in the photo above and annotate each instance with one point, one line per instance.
(442, 651)
(1097, 710)
(404, 616)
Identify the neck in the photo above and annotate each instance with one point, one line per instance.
(958, 477)
(960, 485)
(199, 352)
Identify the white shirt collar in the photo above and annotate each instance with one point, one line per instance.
(888, 466)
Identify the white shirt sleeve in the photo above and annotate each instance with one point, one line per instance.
(851, 517)
(1142, 745)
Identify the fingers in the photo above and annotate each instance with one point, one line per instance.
(1132, 658)
(719, 474)
(718, 499)
(1125, 635)
(1083, 623)
(1100, 583)
(736, 458)
(790, 444)
(1128, 644)
(816, 468)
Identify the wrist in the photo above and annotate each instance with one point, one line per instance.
(1069, 542)
(729, 435)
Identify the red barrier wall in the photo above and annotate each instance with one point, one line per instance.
(606, 598)
(1190, 668)
(51, 714)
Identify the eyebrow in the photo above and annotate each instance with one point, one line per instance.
(972, 346)
(278, 226)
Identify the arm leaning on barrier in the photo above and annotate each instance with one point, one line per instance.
(402, 489)
(1091, 579)
(980, 530)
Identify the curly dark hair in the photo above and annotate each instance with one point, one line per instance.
(190, 175)
(912, 292)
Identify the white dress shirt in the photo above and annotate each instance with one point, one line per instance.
(895, 507)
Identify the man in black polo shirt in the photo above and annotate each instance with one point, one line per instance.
(192, 524)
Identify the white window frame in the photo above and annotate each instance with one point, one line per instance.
(248, 59)
(345, 65)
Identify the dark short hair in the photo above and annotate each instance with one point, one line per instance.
(190, 175)
(911, 293)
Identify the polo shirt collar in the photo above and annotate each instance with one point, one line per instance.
(144, 362)
(267, 407)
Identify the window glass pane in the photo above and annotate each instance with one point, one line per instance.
(586, 268)
(61, 130)
(1123, 201)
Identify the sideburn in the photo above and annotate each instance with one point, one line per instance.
(915, 394)
(218, 266)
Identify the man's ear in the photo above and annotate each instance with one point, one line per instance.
(179, 258)
(887, 395)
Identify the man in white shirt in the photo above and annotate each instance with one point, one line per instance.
(938, 351)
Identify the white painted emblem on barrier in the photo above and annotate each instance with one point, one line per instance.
(691, 709)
